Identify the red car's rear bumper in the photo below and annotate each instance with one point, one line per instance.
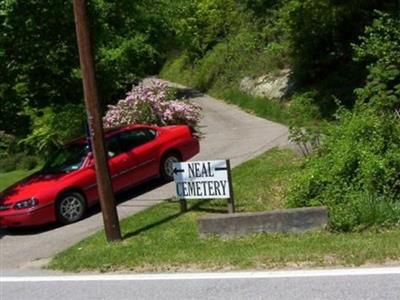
(34, 217)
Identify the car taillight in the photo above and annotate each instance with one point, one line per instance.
(26, 203)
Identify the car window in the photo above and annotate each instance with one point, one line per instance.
(113, 146)
(137, 137)
(66, 159)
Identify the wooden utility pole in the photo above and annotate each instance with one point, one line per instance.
(107, 200)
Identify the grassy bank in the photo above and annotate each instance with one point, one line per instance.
(163, 239)
(271, 110)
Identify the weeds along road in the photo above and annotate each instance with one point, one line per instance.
(228, 133)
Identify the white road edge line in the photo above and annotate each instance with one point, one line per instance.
(205, 276)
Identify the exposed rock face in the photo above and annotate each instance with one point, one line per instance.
(275, 87)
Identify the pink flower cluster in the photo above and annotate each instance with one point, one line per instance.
(151, 104)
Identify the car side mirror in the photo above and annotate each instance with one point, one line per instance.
(88, 162)
(91, 159)
(90, 155)
(110, 154)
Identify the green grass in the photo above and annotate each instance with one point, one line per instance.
(161, 238)
(259, 183)
(264, 108)
(7, 179)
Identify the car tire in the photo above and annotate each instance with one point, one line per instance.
(70, 207)
(166, 166)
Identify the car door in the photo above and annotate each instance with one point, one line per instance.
(120, 163)
(142, 147)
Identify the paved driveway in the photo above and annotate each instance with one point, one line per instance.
(228, 133)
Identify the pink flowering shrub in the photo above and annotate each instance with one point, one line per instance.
(152, 105)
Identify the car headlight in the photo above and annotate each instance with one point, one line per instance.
(26, 203)
(5, 206)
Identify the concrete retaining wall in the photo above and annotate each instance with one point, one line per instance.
(283, 220)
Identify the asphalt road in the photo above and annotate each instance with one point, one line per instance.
(228, 133)
(363, 284)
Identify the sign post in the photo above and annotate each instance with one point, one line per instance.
(231, 199)
(204, 180)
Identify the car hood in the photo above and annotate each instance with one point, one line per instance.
(29, 187)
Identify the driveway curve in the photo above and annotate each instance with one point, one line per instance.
(228, 133)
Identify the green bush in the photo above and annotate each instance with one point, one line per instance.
(27, 163)
(8, 144)
(8, 164)
(305, 127)
(357, 168)
(303, 109)
(20, 161)
(380, 42)
(51, 127)
(201, 24)
(319, 35)
(356, 172)
(178, 69)
(260, 8)
(121, 65)
(222, 67)
(380, 47)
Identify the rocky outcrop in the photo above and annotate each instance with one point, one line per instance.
(269, 86)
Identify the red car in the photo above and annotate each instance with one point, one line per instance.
(66, 186)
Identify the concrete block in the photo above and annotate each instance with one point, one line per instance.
(295, 220)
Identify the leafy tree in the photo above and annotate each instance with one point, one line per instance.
(130, 38)
(39, 60)
(380, 49)
(201, 24)
(261, 8)
(52, 126)
(38, 55)
(321, 32)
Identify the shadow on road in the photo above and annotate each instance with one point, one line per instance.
(187, 93)
(199, 206)
(120, 198)
(28, 231)
(139, 190)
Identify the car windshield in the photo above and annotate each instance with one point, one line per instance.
(66, 159)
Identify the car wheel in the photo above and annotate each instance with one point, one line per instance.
(167, 166)
(70, 207)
